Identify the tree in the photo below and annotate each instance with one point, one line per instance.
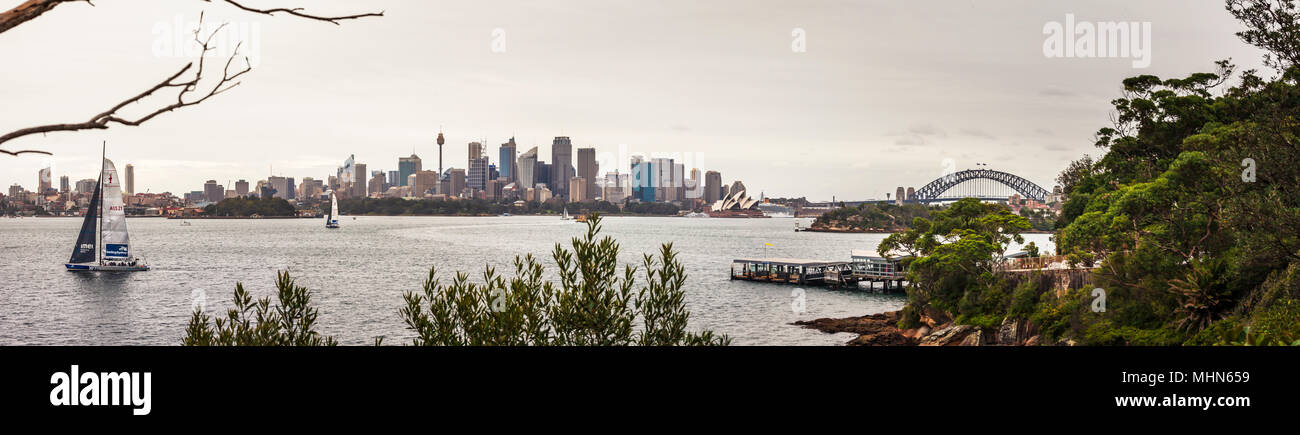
(953, 255)
(258, 323)
(593, 304)
(188, 83)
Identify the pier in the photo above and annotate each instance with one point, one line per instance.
(793, 271)
(866, 268)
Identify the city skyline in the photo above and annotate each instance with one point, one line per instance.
(655, 80)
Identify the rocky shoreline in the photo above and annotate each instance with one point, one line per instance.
(938, 329)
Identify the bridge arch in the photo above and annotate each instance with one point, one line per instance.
(1025, 187)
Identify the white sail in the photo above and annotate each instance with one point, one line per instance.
(334, 207)
(116, 242)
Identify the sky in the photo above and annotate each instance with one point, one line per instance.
(819, 99)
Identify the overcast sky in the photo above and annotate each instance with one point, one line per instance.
(885, 91)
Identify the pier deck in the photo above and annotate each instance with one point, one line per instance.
(793, 271)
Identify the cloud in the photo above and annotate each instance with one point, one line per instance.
(918, 135)
(1056, 92)
(975, 132)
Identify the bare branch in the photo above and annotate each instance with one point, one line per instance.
(29, 10)
(34, 8)
(298, 12)
(188, 94)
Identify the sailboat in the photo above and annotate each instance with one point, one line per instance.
(565, 216)
(332, 220)
(109, 250)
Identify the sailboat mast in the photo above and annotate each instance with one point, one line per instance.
(103, 153)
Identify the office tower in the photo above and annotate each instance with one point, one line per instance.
(712, 187)
(407, 166)
(475, 151)
(612, 188)
(493, 190)
(130, 179)
(360, 180)
(395, 178)
(241, 187)
(425, 182)
(478, 173)
(561, 165)
(665, 189)
(643, 180)
(577, 189)
(43, 181)
(63, 184)
(679, 182)
(376, 185)
(508, 161)
(279, 187)
(587, 170)
(527, 166)
(544, 175)
(213, 192)
(455, 181)
(440, 141)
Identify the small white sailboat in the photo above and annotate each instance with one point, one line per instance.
(109, 250)
(565, 216)
(332, 220)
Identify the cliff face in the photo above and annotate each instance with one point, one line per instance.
(938, 330)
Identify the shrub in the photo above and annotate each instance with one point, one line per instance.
(593, 304)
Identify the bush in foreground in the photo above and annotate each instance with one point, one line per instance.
(593, 305)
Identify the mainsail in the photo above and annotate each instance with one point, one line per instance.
(84, 251)
(116, 241)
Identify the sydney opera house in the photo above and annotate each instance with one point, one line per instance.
(736, 203)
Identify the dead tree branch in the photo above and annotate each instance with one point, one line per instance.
(298, 12)
(188, 93)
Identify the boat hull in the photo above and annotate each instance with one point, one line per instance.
(103, 268)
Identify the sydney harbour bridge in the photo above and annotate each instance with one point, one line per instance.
(984, 184)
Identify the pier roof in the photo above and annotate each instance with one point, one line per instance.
(791, 262)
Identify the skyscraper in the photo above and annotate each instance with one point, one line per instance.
(360, 180)
(527, 166)
(456, 181)
(478, 173)
(130, 179)
(643, 180)
(561, 165)
(712, 187)
(395, 178)
(63, 184)
(425, 181)
(241, 187)
(407, 166)
(507, 161)
(577, 189)
(587, 170)
(475, 151)
(43, 182)
(213, 192)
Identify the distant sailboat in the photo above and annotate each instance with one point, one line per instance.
(109, 250)
(565, 216)
(332, 220)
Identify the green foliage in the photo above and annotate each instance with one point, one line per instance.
(954, 254)
(245, 206)
(258, 323)
(593, 304)
(1195, 207)
(874, 216)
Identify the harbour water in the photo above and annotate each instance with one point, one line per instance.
(358, 273)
